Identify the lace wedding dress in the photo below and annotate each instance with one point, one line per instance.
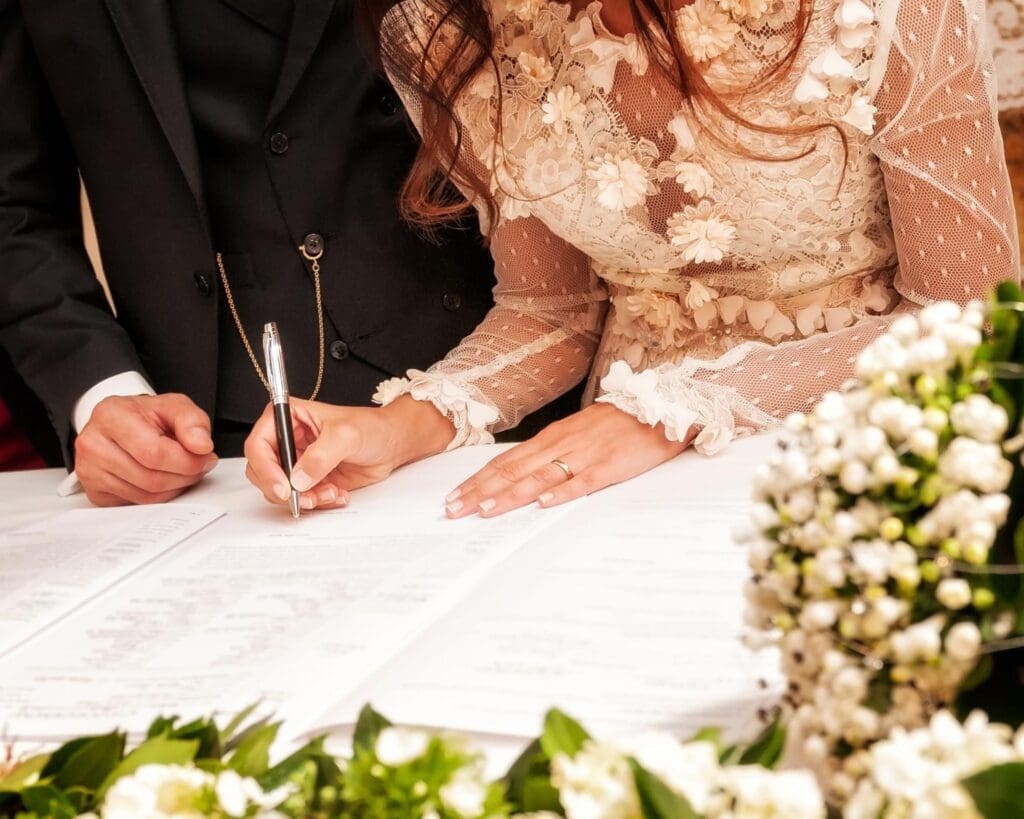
(695, 285)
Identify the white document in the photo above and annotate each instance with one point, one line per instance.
(626, 614)
(262, 607)
(50, 568)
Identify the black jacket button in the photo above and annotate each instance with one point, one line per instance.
(451, 302)
(388, 103)
(279, 143)
(203, 284)
(339, 350)
(313, 244)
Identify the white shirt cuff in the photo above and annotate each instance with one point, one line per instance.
(126, 383)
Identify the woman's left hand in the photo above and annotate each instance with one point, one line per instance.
(600, 446)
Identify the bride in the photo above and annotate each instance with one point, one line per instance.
(707, 210)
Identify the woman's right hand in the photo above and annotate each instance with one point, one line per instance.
(343, 448)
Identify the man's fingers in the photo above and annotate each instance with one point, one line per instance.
(322, 456)
(150, 481)
(526, 491)
(189, 424)
(148, 445)
(111, 485)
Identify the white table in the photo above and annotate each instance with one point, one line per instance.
(689, 492)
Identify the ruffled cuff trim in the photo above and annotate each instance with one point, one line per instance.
(678, 407)
(471, 416)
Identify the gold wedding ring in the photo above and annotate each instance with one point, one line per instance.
(564, 467)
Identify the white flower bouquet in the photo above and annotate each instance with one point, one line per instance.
(887, 558)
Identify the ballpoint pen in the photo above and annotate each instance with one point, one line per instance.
(273, 355)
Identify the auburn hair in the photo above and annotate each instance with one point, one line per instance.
(437, 66)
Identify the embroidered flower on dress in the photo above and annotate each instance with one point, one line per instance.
(679, 127)
(525, 9)
(702, 235)
(535, 67)
(861, 114)
(700, 300)
(694, 179)
(744, 9)
(622, 181)
(706, 30)
(562, 108)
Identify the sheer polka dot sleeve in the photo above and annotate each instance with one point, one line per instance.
(938, 141)
(536, 343)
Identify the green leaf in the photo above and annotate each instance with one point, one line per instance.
(229, 730)
(23, 774)
(998, 792)
(252, 756)
(161, 726)
(766, 750)
(368, 726)
(562, 735)
(657, 800)
(156, 751)
(710, 734)
(328, 772)
(60, 757)
(46, 800)
(540, 795)
(91, 763)
(528, 782)
(204, 732)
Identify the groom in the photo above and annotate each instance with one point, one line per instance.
(253, 129)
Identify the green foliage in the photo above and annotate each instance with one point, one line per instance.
(998, 792)
(528, 785)
(562, 735)
(251, 756)
(766, 750)
(368, 727)
(373, 790)
(657, 800)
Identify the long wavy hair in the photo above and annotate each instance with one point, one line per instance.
(437, 66)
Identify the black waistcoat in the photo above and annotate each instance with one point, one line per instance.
(331, 172)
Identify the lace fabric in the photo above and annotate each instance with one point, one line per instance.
(738, 289)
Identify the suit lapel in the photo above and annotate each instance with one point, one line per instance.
(146, 29)
(308, 24)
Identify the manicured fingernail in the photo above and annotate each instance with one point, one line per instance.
(454, 507)
(327, 494)
(453, 495)
(300, 480)
(281, 491)
(210, 463)
(545, 499)
(488, 505)
(306, 502)
(342, 500)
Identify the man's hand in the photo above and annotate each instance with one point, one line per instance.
(143, 449)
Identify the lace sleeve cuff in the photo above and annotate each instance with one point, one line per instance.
(661, 396)
(471, 415)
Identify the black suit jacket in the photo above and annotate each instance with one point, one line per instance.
(94, 88)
